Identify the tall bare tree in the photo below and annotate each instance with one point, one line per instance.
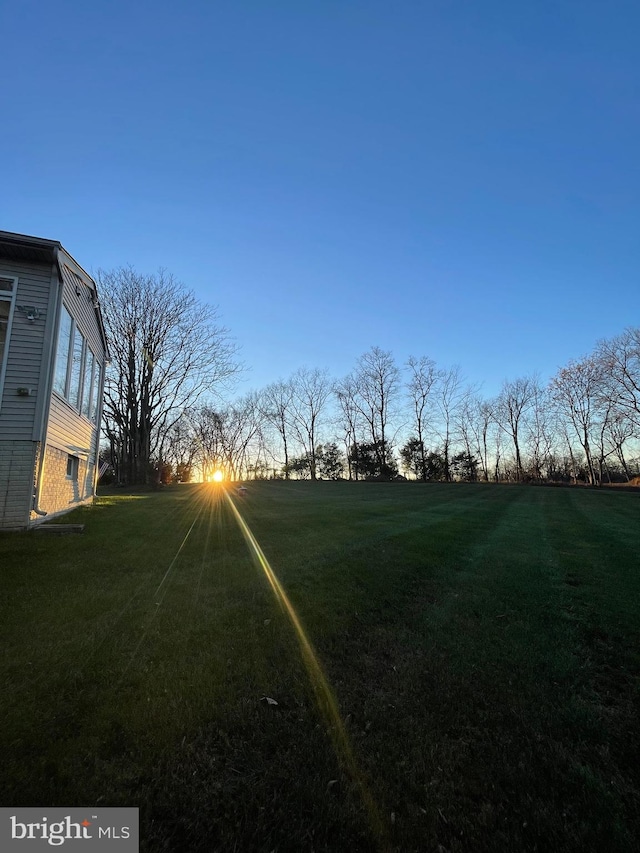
(348, 418)
(620, 360)
(377, 379)
(423, 376)
(448, 398)
(167, 350)
(311, 391)
(577, 393)
(512, 406)
(477, 419)
(539, 438)
(275, 404)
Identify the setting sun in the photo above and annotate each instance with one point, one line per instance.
(218, 476)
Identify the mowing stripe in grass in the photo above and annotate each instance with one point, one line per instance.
(324, 694)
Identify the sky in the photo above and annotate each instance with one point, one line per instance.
(453, 179)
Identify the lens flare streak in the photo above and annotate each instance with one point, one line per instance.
(323, 692)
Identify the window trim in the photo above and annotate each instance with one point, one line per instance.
(10, 297)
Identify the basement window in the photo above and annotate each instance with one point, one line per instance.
(72, 467)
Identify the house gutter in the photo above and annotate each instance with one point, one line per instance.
(47, 385)
(96, 457)
(103, 377)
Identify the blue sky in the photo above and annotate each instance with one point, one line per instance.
(452, 179)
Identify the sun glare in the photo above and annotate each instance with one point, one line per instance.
(218, 476)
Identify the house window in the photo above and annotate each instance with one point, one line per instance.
(77, 373)
(95, 391)
(7, 294)
(62, 355)
(88, 378)
(72, 467)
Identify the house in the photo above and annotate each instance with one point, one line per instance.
(53, 352)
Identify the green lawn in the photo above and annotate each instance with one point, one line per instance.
(474, 686)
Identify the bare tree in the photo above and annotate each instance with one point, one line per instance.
(620, 361)
(181, 448)
(275, 406)
(498, 451)
(538, 431)
(576, 391)
(423, 376)
(240, 426)
(620, 429)
(224, 436)
(348, 418)
(311, 391)
(512, 406)
(207, 426)
(448, 398)
(475, 419)
(167, 350)
(377, 379)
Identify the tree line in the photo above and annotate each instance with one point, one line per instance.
(169, 414)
